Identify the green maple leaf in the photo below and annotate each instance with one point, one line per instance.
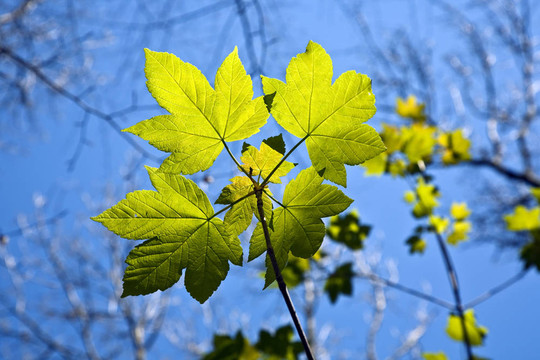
(328, 117)
(297, 224)
(279, 345)
(201, 119)
(262, 162)
(339, 282)
(239, 216)
(178, 220)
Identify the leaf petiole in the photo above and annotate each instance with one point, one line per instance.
(267, 179)
(232, 204)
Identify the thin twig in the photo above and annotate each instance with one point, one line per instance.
(497, 289)
(267, 179)
(76, 100)
(376, 278)
(279, 278)
(452, 277)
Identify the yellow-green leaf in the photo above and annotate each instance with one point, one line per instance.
(178, 218)
(262, 162)
(328, 117)
(426, 195)
(239, 216)
(460, 232)
(440, 224)
(418, 142)
(297, 225)
(460, 211)
(376, 166)
(523, 219)
(410, 108)
(416, 244)
(456, 147)
(536, 193)
(476, 333)
(435, 356)
(201, 119)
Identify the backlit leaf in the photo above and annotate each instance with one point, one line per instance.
(376, 166)
(201, 119)
(456, 147)
(426, 199)
(410, 108)
(347, 230)
(239, 216)
(460, 232)
(459, 211)
(262, 162)
(416, 244)
(439, 224)
(297, 225)
(435, 356)
(178, 220)
(523, 219)
(329, 117)
(476, 333)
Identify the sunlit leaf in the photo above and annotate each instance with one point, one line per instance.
(201, 119)
(439, 224)
(435, 356)
(460, 232)
(456, 147)
(376, 166)
(179, 216)
(476, 333)
(410, 108)
(523, 219)
(262, 162)
(426, 199)
(328, 116)
(239, 216)
(297, 225)
(417, 245)
(418, 142)
(459, 211)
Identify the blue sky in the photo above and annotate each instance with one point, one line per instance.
(42, 169)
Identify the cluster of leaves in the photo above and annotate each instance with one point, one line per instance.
(527, 220)
(414, 145)
(268, 346)
(411, 149)
(178, 222)
(424, 200)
